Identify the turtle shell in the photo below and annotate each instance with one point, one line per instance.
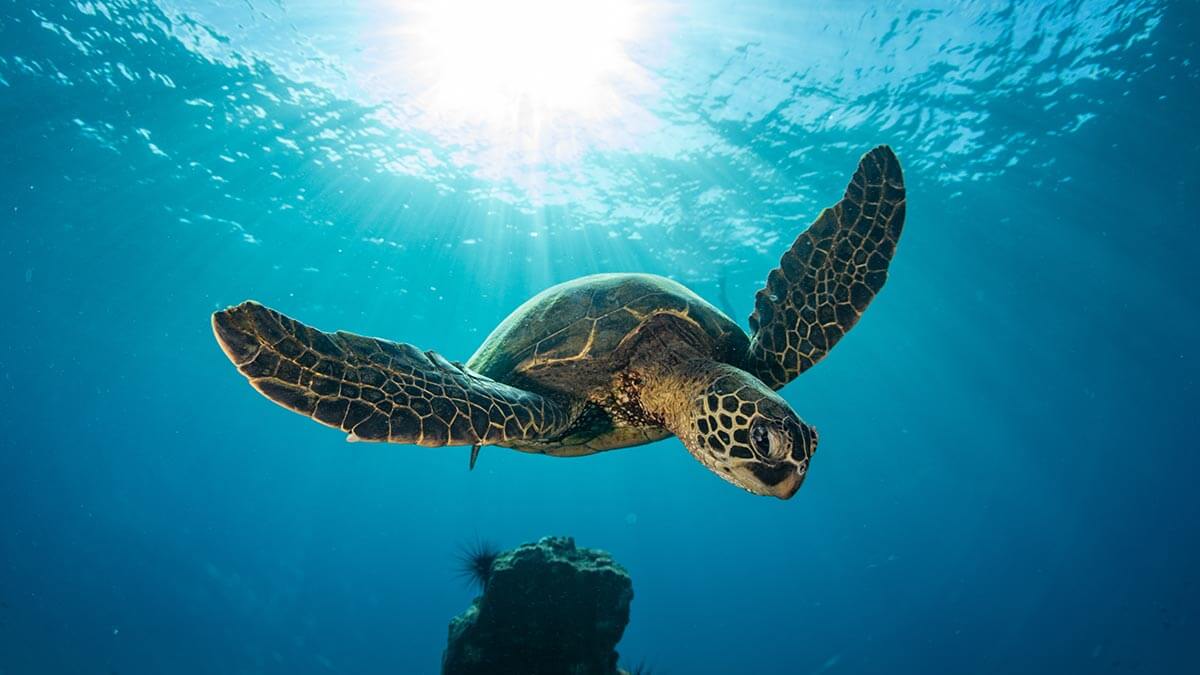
(569, 338)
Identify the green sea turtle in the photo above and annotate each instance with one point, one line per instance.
(606, 361)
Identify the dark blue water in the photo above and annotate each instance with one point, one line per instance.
(1009, 453)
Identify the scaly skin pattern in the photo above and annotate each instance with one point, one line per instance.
(577, 338)
(606, 361)
(376, 390)
(830, 274)
(712, 407)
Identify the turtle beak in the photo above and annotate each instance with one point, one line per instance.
(776, 479)
(789, 487)
(804, 444)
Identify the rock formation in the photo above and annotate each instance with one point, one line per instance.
(547, 609)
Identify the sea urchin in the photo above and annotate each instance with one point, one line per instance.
(475, 561)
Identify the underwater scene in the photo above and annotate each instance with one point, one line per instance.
(569, 275)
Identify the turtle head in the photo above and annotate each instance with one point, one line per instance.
(747, 434)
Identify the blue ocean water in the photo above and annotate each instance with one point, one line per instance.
(1006, 481)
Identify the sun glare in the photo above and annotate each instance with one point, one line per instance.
(561, 55)
(538, 76)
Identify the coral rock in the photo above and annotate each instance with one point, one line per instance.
(547, 608)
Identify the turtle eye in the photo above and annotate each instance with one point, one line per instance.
(760, 439)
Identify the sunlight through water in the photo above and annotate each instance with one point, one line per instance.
(556, 103)
(486, 60)
(529, 82)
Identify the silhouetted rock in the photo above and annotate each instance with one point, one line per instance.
(547, 609)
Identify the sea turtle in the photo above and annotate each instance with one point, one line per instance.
(606, 361)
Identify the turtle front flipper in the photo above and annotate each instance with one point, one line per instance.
(830, 274)
(377, 390)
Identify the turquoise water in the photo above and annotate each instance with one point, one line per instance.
(1006, 480)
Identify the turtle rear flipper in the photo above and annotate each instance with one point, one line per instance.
(830, 274)
(376, 390)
